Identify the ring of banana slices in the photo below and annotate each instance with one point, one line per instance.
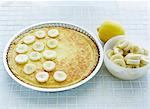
(128, 55)
(24, 55)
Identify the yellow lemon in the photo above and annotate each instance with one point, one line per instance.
(109, 29)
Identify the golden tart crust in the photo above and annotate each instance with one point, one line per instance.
(77, 55)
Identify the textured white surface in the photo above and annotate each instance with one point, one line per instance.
(102, 92)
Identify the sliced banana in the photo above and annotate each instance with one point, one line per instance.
(116, 56)
(49, 54)
(133, 62)
(52, 43)
(133, 56)
(21, 48)
(28, 39)
(42, 76)
(120, 62)
(34, 56)
(135, 49)
(123, 44)
(110, 53)
(60, 76)
(129, 55)
(38, 46)
(118, 50)
(128, 47)
(40, 34)
(21, 59)
(144, 60)
(141, 51)
(49, 65)
(29, 69)
(53, 33)
(146, 52)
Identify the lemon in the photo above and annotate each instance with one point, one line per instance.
(110, 29)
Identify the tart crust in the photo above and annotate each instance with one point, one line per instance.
(77, 55)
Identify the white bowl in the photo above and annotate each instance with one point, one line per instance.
(118, 71)
(62, 24)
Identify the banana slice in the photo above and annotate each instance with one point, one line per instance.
(42, 76)
(53, 33)
(120, 62)
(133, 56)
(123, 44)
(141, 51)
(21, 48)
(110, 53)
(60, 76)
(21, 59)
(128, 47)
(52, 43)
(118, 50)
(34, 56)
(38, 46)
(49, 65)
(49, 54)
(146, 52)
(133, 62)
(28, 39)
(135, 49)
(40, 34)
(144, 60)
(29, 69)
(116, 56)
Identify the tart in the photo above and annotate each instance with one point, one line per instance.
(64, 56)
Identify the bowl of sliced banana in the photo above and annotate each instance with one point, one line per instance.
(124, 59)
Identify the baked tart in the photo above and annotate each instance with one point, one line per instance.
(52, 56)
